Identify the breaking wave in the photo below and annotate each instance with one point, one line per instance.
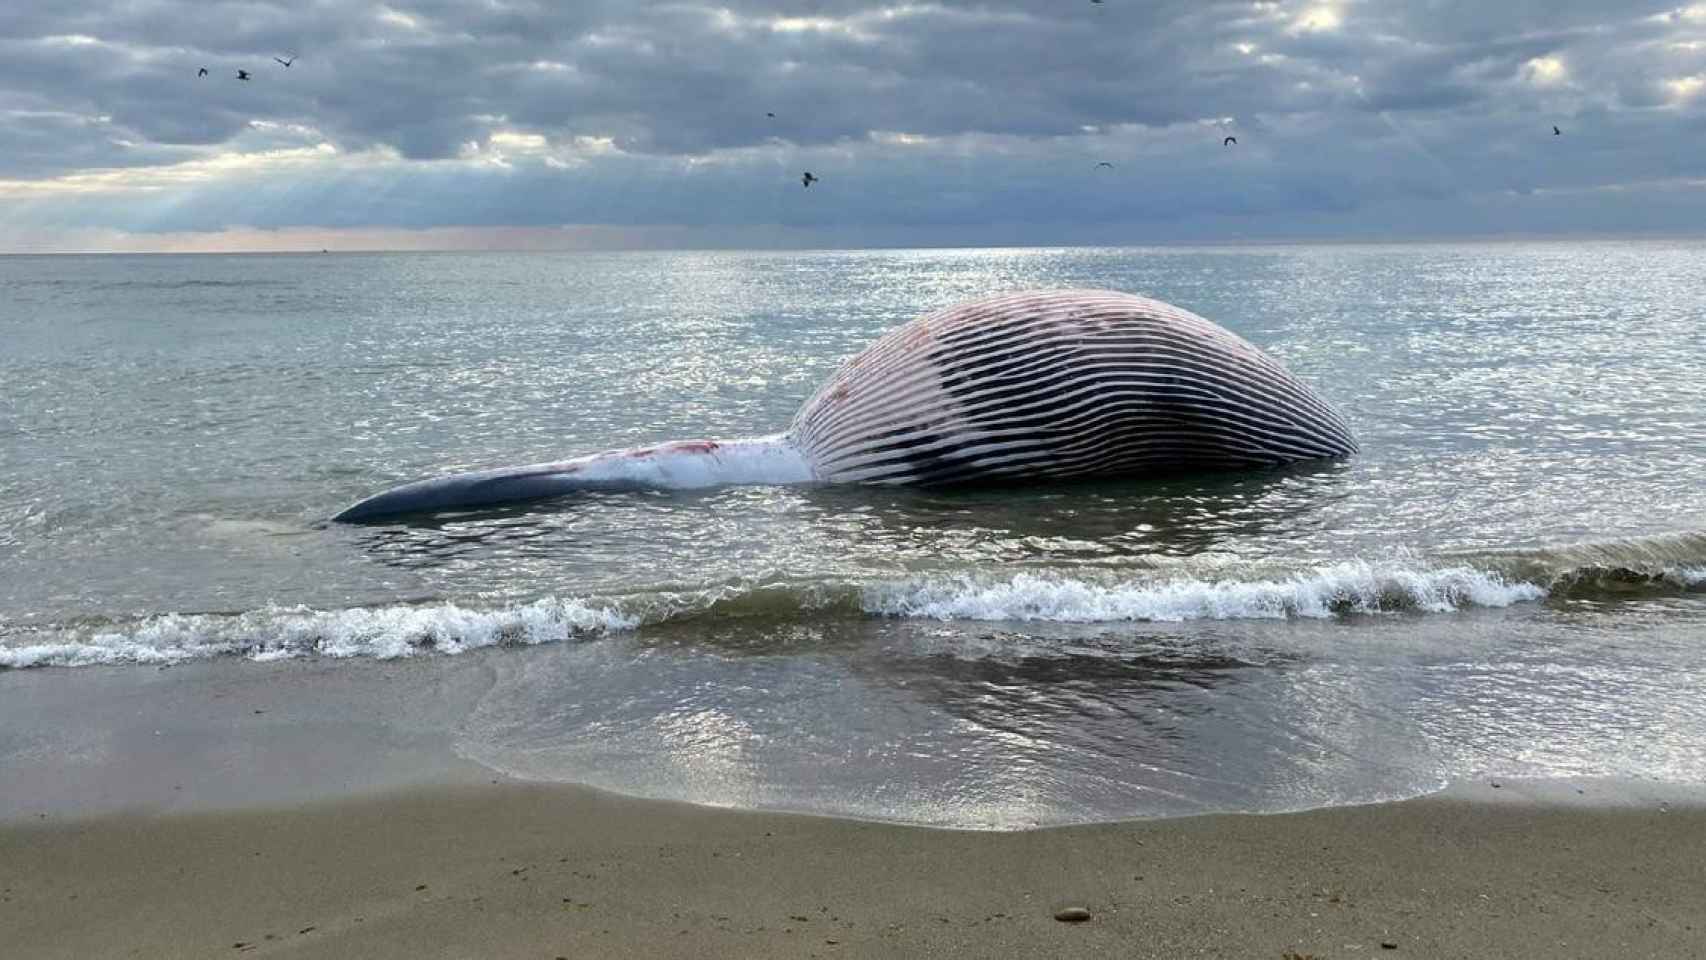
(1336, 590)
(1596, 572)
(1608, 569)
(275, 633)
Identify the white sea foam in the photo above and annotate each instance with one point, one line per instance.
(108, 648)
(1352, 587)
(280, 633)
(403, 630)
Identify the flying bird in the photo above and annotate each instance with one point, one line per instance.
(1229, 141)
(286, 63)
(1105, 163)
(770, 115)
(807, 179)
(242, 74)
(1556, 131)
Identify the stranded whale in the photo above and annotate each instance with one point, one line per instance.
(1040, 385)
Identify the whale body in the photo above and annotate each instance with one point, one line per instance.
(1031, 386)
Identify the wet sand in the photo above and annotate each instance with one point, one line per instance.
(507, 870)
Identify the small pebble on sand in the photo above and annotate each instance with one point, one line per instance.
(1072, 915)
(1388, 945)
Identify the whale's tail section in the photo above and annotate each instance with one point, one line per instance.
(679, 465)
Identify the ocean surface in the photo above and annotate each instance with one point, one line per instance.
(1509, 580)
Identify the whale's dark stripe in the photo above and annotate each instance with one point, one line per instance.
(1060, 384)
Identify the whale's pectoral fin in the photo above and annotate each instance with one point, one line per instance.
(679, 465)
(477, 489)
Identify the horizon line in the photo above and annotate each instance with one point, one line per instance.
(1419, 239)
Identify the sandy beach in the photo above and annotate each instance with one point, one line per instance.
(508, 870)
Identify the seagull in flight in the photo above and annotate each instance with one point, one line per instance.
(1105, 163)
(808, 179)
(202, 72)
(770, 115)
(1556, 131)
(242, 74)
(286, 63)
(1229, 141)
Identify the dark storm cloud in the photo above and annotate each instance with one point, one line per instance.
(520, 112)
(660, 77)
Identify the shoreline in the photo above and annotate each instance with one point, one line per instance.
(534, 870)
(226, 737)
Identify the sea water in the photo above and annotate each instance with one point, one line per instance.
(1509, 579)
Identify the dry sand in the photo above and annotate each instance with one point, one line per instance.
(553, 871)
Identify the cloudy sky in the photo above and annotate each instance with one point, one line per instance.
(502, 123)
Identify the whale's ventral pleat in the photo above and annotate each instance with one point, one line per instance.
(1071, 383)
